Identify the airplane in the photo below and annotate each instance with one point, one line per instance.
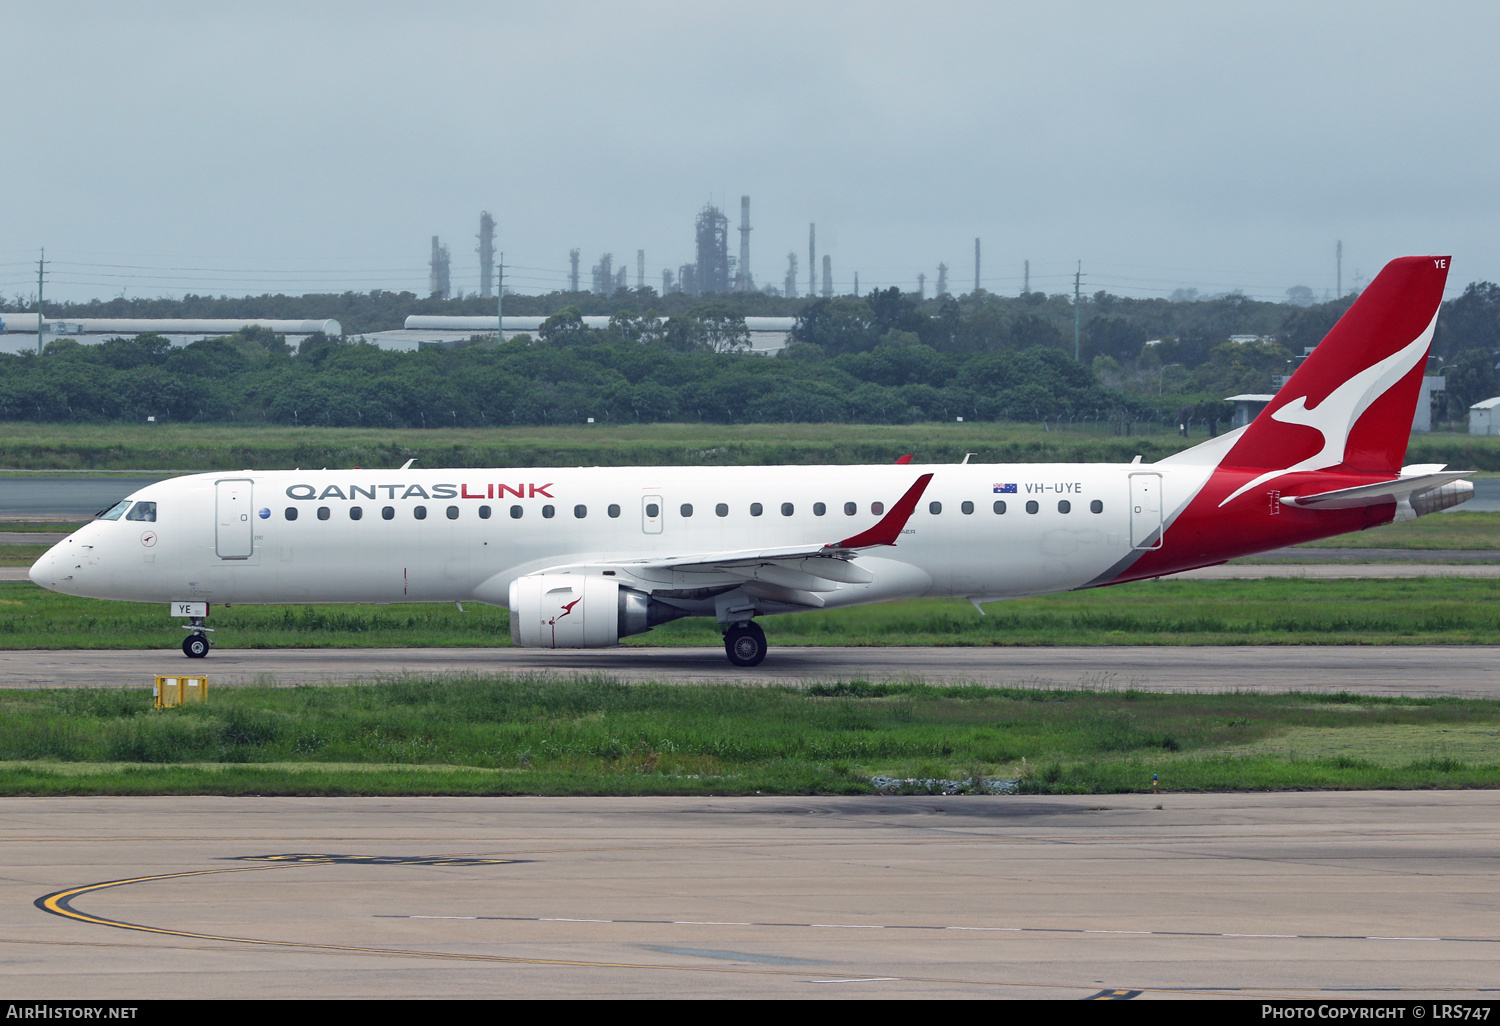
(583, 557)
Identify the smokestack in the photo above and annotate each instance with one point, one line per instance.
(486, 252)
(743, 281)
(942, 285)
(827, 276)
(812, 260)
(640, 268)
(1026, 278)
(573, 278)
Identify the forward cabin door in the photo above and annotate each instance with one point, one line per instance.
(235, 537)
(1145, 511)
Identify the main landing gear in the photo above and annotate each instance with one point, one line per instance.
(196, 644)
(745, 643)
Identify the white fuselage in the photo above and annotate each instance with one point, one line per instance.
(232, 538)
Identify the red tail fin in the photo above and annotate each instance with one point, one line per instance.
(1351, 402)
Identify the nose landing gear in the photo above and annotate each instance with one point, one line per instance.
(745, 643)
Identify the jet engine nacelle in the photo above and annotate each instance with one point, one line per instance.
(579, 611)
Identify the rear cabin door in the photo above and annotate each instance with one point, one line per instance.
(1145, 511)
(235, 533)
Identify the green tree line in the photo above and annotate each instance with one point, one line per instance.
(887, 357)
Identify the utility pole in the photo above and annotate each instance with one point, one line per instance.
(1077, 308)
(500, 300)
(40, 266)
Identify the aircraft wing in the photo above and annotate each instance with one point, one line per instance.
(1425, 478)
(801, 569)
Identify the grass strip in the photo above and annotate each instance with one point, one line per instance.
(1286, 611)
(593, 734)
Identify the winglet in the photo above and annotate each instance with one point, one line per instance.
(889, 528)
(903, 460)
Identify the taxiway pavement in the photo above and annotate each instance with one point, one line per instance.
(1411, 670)
(1313, 895)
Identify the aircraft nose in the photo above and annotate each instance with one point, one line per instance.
(48, 571)
(41, 571)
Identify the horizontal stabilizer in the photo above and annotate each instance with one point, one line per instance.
(1397, 490)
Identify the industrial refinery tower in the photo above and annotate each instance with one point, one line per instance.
(712, 236)
(438, 280)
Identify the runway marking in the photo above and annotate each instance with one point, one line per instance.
(59, 903)
(308, 858)
(1077, 931)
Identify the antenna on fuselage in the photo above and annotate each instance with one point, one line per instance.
(408, 463)
(967, 455)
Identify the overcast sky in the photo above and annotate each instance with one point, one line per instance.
(164, 148)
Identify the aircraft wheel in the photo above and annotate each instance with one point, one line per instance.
(745, 644)
(195, 646)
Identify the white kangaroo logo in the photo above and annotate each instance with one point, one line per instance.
(1336, 415)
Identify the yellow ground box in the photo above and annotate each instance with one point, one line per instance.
(174, 691)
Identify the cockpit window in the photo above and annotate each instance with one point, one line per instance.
(143, 511)
(113, 513)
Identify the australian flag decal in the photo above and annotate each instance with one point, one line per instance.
(1005, 489)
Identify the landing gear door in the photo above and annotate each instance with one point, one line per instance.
(1145, 511)
(234, 516)
(651, 514)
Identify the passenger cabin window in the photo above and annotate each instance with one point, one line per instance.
(967, 507)
(485, 512)
(114, 512)
(388, 513)
(580, 512)
(324, 512)
(819, 509)
(1064, 506)
(686, 509)
(548, 512)
(613, 511)
(934, 508)
(515, 512)
(356, 512)
(756, 509)
(142, 511)
(1031, 506)
(452, 512)
(1096, 506)
(721, 510)
(999, 506)
(420, 512)
(291, 512)
(877, 508)
(787, 509)
(653, 510)
(850, 509)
